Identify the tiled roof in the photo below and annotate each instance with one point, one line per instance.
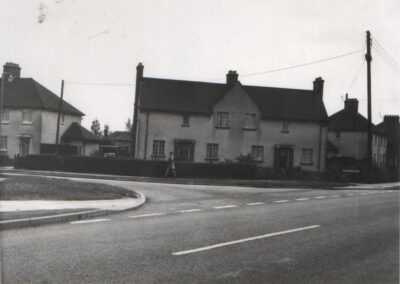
(27, 93)
(392, 130)
(121, 136)
(77, 132)
(200, 97)
(346, 120)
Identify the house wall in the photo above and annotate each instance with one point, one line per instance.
(49, 126)
(354, 144)
(235, 140)
(86, 148)
(42, 129)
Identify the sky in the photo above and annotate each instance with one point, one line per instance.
(95, 46)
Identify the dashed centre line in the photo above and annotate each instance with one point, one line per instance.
(281, 201)
(225, 206)
(190, 210)
(320, 197)
(90, 221)
(255, 203)
(147, 215)
(302, 199)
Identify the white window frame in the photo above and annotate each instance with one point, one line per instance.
(3, 143)
(28, 119)
(250, 121)
(306, 156)
(158, 150)
(257, 153)
(5, 116)
(212, 151)
(285, 126)
(185, 120)
(222, 119)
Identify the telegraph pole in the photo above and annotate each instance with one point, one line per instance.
(58, 116)
(1, 98)
(368, 57)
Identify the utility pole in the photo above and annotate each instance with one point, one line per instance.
(368, 57)
(58, 116)
(1, 98)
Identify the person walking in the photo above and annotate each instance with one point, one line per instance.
(171, 166)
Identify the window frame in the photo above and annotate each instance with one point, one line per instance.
(29, 116)
(250, 117)
(185, 120)
(212, 150)
(220, 119)
(5, 116)
(304, 157)
(253, 150)
(285, 126)
(3, 143)
(158, 145)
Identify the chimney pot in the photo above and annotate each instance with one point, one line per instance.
(11, 71)
(232, 78)
(391, 118)
(318, 87)
(351, 105)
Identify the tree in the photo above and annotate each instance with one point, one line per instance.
(128, 125)
(106, 130)
(96, 130)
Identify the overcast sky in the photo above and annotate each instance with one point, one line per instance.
(102, 41)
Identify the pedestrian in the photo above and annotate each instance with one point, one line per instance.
(171, 166)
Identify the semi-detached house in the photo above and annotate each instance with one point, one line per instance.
(210, 122)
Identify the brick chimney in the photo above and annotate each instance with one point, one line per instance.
(231, 78)
(351, 105)
(11, 71)
(318, 87)
(139, 71)
(391, 119)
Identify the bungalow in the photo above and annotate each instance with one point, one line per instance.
(210, 122)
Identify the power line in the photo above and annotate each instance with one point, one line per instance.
(299, 65)
(384, 51)
(100, 84)
(356, 76)
(387, 61)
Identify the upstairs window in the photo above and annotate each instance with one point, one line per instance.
(3, 143)
(212, 151)
(250, 121)
(285, 126)
(185, 120)
(5, 115)
(26, 116)
(158, 148)
(307, 156)
(257, 153)
(223, 119)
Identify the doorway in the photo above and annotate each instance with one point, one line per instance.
(283, 157)
(184, 150)
(24, 146)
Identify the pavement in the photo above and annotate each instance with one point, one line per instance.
(218, 234)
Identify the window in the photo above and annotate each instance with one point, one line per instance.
(26, 116)
(306, 156)
(3, 143)
(158, 148)
(223, 119)
(250, 121)
(285, 126)
(212, 151)
(338, 134)
(185, 120)
(257, 153)
(5, 115)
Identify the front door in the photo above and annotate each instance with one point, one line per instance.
(24, 146)
(184, 151)
(283, 157)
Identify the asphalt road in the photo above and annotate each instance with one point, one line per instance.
(206, 234)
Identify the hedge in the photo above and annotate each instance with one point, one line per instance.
(126, 166)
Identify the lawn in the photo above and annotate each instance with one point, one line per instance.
(42, 188)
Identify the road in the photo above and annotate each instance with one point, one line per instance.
(216, 234)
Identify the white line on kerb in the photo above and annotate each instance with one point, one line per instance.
(90, 221)
(225, 206)
(320, 197)
(244, 240)
(255, 203)
(147, 215)
(190, 210)
(301, 199)
(281, 201)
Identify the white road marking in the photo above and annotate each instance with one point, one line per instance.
(320, 197)
(190, 210)
(244, 240)
(301, 199)
(281, 201)
(350, 194)
(89, 221)
(225, 206)
(255, 203)
(147, 215)
(335, 196)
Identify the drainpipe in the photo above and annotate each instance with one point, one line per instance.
(146, 134)
(319, 147)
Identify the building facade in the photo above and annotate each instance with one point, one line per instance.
(348, 132)
(391, 127)
(208, 122)
(29, 115)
